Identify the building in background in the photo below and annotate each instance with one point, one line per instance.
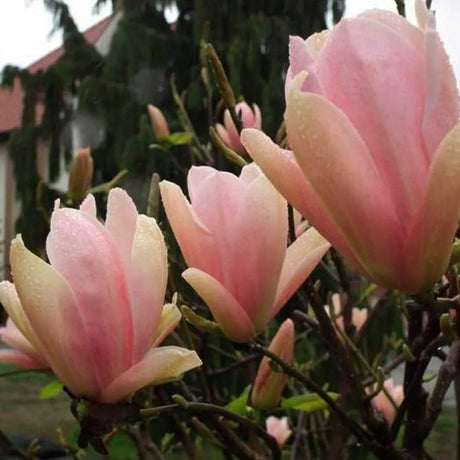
(11, 105)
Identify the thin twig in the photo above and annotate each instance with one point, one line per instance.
(233, 366)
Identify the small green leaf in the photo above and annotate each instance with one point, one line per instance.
(307, 403)
(183, 138)
(51, 390)
(238, 405)
(166, 441)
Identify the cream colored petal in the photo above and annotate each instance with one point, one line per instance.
(52, 310)
(148, 276)
(160, 365)
(169, 319)
(430, 240)
(10, 301)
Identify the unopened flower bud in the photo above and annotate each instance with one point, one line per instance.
(81, 175)
(269, 384)
(159, 124)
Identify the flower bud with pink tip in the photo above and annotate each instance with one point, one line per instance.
(159, 124)
(269, 384)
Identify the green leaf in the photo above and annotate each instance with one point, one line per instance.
(238, 405)
(51, 390)
(182, 138)
(307, 403)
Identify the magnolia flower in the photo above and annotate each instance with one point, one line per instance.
(95, 316)
(250, 118)
(269, 385)
(384, 405)
(372, 110)
(233, 236)
(279, 429)
(358, 315)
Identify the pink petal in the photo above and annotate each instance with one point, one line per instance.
(196, 242)
(52, 310)
(315, 43)
(399, 25)
(430, 240)
(301, 259)
(285, 174)
(376, 106)
(12, 336)
(302, 55)
(250, 173)
(279, 429)
(216, 202)
(158, 366)
(233, 132)
(257, 117)
(121, 222)
(256, 250)
(88, 206)
(280, 167)
(84, 254)
(299, 60)
(222, 132)
(228, 313)
(441, 98)
(195, 178)
(148, 276)
(20, 360)
(330, 151)
(245, 114)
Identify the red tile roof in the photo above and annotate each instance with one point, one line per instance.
(11, 99)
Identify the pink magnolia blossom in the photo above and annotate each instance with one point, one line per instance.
(358, 315)
(95, 316)
(233, 236)
(279, 429)
(372, 120)
(269, 385)
(384, 405)
(250, 118)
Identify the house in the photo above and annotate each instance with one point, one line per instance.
(10, 118)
